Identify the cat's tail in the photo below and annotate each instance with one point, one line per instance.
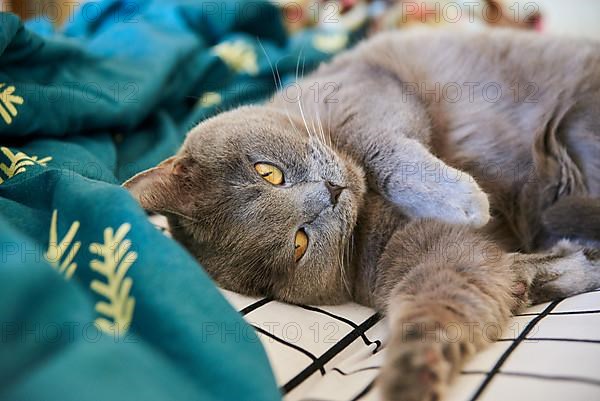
(575, 217)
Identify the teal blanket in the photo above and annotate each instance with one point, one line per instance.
(96, 304)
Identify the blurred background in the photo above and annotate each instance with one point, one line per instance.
(578, 18)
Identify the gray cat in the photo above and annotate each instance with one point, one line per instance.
(371, 187)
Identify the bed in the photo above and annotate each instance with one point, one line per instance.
(99, 304)
(550, 352)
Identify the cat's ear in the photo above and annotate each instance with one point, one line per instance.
(159, 189)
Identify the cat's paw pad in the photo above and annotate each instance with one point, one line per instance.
(414, 372)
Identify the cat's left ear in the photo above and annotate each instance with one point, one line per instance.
(160, 188)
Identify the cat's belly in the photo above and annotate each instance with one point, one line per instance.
(497, 159)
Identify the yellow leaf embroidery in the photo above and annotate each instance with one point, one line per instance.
(209, 99)
(330, 43)
(8, 101)
(58, 251)
(114, 262)
(239, 56)
(18, 162)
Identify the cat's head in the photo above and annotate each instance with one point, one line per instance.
(266, 207)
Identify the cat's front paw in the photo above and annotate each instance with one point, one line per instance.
(453, 197)
(467, 202)
(415, 372)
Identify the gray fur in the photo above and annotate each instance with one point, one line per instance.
(413, 244)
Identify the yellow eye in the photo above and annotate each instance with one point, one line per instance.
(270, 173)
(300, 244)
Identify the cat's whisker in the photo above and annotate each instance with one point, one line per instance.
(315, 133)
(345, 261)
(287, 112)
(315, 128)
(188, 222)
(310, 134)
(181, 215)
(326, 139)
(276, 79)
(320, 127)
(299, 102)
(299, 96)
(181, 225)
(329, 138)
(335, 140)
(312, 121)
(278, 83)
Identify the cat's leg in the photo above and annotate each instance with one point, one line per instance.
(429, 188)
(448, 293)
(368, 115)
(561, 194)
(567, 269)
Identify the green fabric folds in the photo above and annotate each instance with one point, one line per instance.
(96, 303)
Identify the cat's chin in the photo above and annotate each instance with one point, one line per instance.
(327, 296)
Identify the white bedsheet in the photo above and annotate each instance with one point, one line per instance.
(549, 353)
(332, 353)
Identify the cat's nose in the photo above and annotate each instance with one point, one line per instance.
(334, 191)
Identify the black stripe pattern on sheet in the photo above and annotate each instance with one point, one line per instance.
(588, 306)
(331, 353)
(584, 380)
(255, 305)
(348, 322)
(318, 361)
(262, 302)
(496, 369)
(570, 340)
(340, 371)
(288, 344)
(576, 312)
